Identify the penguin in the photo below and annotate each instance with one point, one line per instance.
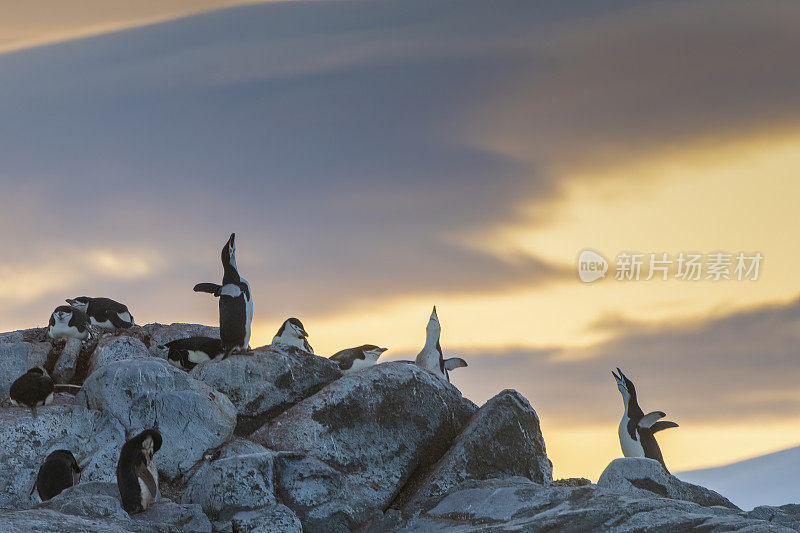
(293, 333)
(235, 302)
(636, 429)
(35, 388)
(431, 356)
(58, 472)
(187, 353)
(66, 322)
(104, 313)
(137, 476)
(354, 359)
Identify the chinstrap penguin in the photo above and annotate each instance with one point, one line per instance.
(58, 472)
(187, 353)
(137, 475)
(33, 389)
(636, 429)
(293, 333)
(68, 322)
(104, 313)
(431, 356)
(354, 359)
(235, 302)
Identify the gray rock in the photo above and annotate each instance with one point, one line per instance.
(13, 363)
(227, 482)
(37, 339)
(375, 427)
(111, 349)
(64, 370)
(158, 334)
(26, 441)
(268, 382)
(273, 519)
(177, 517)
(785, 515)
(503, 439)
(646, 477)
(143, 393)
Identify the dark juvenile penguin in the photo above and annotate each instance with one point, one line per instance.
(58, 472)
(354, 359)
(104, 313)
(137, 476)
(187, 353)
(68, 322)
(235, 302)
(33, 389)
(431, 356)
(636, 429)
(293, 333)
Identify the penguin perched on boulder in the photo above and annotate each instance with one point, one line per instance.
(354, 359)
(68, 322)
(35, 388)
(636, 429)
(431, 356)
(187, 353)
(235, 302)
(105, 313)
(293, 333)
(58, 472)
(137, 475)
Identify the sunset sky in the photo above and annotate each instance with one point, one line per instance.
(378, 157)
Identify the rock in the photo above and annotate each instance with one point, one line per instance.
(111, 349)
(268, 382)
(143, 393)
(176, 517)
(158, 334)
(785, 515)
(273, 519)
(517, 504)
(64, 370)
(375, 427)
(13, 363)
(645, 477)
(39, 343)
(26, 441)
(503, 439)
(228, 482)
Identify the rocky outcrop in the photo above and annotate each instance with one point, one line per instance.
(67, 362)
(646, 477)
(268, 382)
(112, 349)
(143, 393)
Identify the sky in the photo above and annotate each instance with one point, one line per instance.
(378, 157)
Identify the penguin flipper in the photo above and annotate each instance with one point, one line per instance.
(454, 362)
(663, 424)
(211, 288)
(65, 387)
(650, 418)
(116, 321)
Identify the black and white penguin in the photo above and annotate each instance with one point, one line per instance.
(68, 322)
(354, 359)
(58, 472)
(293, 333)
(431, 356)
(187, 353)
(104, 313)
(137, 475)
(235, 302)
(636, 429)
(33, 389)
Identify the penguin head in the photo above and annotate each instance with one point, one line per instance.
(624, 385)
(150, 442)
(62, 313)
(229, 251)
(81, 302)
(372, 352)
(434, 328)
(294, 328)
(66, 457)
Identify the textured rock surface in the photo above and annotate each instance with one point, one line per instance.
(26, 441)
(785, 515)
(273, 519)
(645, 477)
(374, 427)
(143, 393)
(13, 363)
(156, 335)
(64, 370)
(503, 439)
(268, 382)
(112, 349)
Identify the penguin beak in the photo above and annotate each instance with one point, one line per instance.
(383, 349)
(70, 302)
(232, 239)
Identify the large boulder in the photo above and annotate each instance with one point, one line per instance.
(111, 349)
(785, 515)
(37, 339)
(67, 362)
(268, 382)
(143, 393)
(375, 428)
(645, 477)
(25, 442)
(156, 335)
(503, 439)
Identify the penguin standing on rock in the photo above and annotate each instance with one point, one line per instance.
(235, 302)
(187, 353)
(35, 388)
(58, 472)
(293, 333)
(431, 356)
(354, 359)
(636, 429)
(68, 322)
(104, 313)
(137, 475)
